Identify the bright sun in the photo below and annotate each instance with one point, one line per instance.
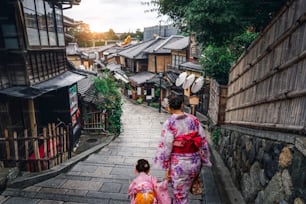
(97, 26)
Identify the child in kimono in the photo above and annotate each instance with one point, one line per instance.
(141, 190)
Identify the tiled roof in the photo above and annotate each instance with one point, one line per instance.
(141, 77)
(85, 84)
(191, 66)
(156, 81)
(113, 66)
(72, 49)
(172, 76)
(179, 44)
(136, 51)
(162, 43)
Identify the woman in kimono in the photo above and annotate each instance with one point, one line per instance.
(182, 149)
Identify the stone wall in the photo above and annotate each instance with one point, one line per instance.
(267, 167)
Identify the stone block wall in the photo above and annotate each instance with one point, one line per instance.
(267, 167)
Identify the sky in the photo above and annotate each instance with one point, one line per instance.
(119, 15)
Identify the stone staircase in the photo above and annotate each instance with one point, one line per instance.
(4, 172)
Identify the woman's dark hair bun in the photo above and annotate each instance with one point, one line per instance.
(175, 102)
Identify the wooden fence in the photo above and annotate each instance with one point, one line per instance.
(267, 86)
(37, 152)
(96, 121)
(217, 102)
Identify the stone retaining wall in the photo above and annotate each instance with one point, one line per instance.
(267, 167)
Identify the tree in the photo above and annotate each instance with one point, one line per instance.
(217, 60)
(112, 103)
(110, 35)
(216, 21)
(224, 28)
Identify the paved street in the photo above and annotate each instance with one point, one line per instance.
(104, 176)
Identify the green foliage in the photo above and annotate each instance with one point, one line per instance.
(112, 103)
(139, 100)
(217, 60)
(216, 21)
(215, 135)
(156, 94)
(154, 105)
(241, 42)
(224, 28)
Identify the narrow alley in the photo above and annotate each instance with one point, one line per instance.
(104, 176)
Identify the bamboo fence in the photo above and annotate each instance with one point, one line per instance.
(267, 85)
(217, 102)
(96, 121)
(38, 152)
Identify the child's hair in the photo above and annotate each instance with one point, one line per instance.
(142, 166)
(175, 102)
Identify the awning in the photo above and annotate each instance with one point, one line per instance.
(30, 92)
(121, 77)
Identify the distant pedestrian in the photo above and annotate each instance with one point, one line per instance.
(182, 149)
(141, 190)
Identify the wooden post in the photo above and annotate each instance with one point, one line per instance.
(51, 145)
(65, 144)
(32, 117)
(193, 109)
(16, 147)
(54, 144)
(7, 145)
(58, 147)
(62, 144)
(26, 144)
(33, 126)
(45, 148)
(93, 120)
(36, 149)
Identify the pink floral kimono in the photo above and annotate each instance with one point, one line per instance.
(143, 184)
(184, 167)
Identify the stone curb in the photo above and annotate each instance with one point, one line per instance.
(229, 194)
(28, 180)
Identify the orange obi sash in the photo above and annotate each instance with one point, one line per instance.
(187, 143)
(144, 198)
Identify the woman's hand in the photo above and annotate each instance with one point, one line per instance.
(168, 176)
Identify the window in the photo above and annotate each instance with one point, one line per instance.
(31, 22)
(44, 23)
(10, 36)
(51, 23)
(59, 25)
(177, 60)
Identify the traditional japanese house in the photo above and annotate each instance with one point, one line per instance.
(73, 54)
(37, 87)
(134, 59)
(159, 58)
(184, 58)
(69, 24)
(141, 85)
(203, 94)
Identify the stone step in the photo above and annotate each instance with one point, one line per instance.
(3, 177)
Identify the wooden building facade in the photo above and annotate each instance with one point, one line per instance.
(36, 86)
(158, 62)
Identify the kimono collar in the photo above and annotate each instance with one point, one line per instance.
(179, 116)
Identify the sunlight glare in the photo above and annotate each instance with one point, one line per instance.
(97, 26)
